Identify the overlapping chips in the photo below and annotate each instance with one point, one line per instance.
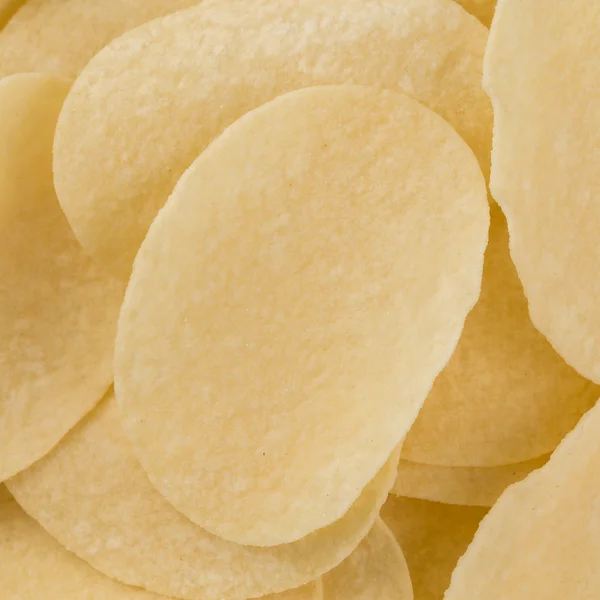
(120, 149)
(58, 310)
(60, 36)
(272, 297)
(301, 190)
(91, 494)
(542, 67)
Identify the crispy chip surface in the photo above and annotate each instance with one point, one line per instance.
(58, 310)
(148, 104)
(292, 304)
(542, 72)
(540, 540)
(92, 495)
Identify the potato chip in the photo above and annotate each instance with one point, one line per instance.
(482, 9)
(505, 396)
(58, 311)
(471, 486)
(433, 537)
(178, 82)
(541, 539)
(60, 36)
(92, 495)
(376, 570)
(542, 73)
(293, 302)
(33, 566)
(8, 9)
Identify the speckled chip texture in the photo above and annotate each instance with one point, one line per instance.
(376, 570)
(482, 9)
(540, 540)
(148, 104)
(469, 486)
(506, 396)
(34, 566)
(542, 73)
(60, 36)
(292, 304)
(91, 494)
(433, 537)
(58, 311)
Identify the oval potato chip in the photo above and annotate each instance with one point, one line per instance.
(213, 63)
(482, 9)
(58, 310)
(60, 36)
(506, 396)
(92, 495)
(470, 486)
(376, 570)
(433, 537)
(542, 72)
(33, 566)
(293, 302)
(541, 539)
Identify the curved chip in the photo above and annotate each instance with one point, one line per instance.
(33, 566)
(540, 540)
(470, 486)
(60, 36)
(482, 9)
(376, 570)
(211, 64)
(506, 396)
(293, 302)
(543, 75)
(433, 537)
(8, 9)
(58, 311)
(91, 494)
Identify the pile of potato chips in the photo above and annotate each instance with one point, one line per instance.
(299, 299)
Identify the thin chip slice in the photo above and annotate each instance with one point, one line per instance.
(33, 566)
(58, 311)
(92, 495)
(211, 64)
(292, 304)
(541, 539)
(470, 486)
(432, 536)
(59, 37)
(482, 9)
(506, 396)
(543, 75)
(376, 570)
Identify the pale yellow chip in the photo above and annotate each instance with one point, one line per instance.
(543, 75)
(58, 311)
(292, 304)
(432, 536)
(505, 396)
(376, 570)
(60, 36)
(482, 9)
(470, 486)
(541, 539)
(148, 104)
(91, 494)
(33, 566)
